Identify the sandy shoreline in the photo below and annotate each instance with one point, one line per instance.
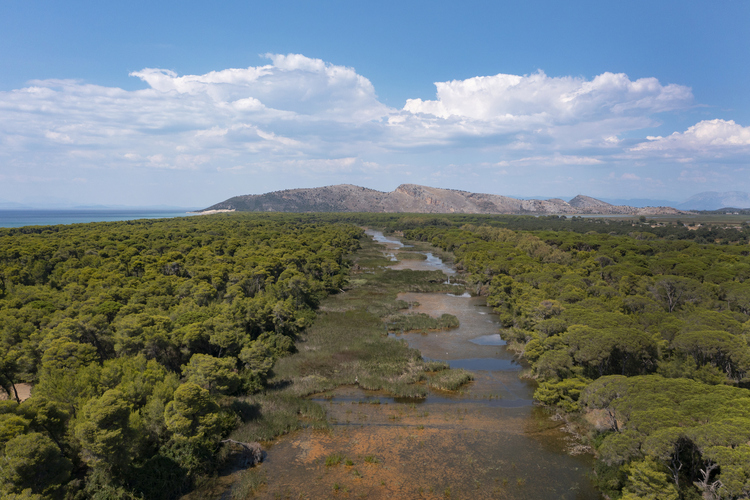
(209, 212)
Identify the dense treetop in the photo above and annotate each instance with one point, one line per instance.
(135, 335)
(131, 332)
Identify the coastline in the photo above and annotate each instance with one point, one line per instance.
(210, 212)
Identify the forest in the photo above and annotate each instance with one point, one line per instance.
(641, 337)
(135, 335)
(139, 339)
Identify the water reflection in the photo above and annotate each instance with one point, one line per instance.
(389, 243)
(493, 339)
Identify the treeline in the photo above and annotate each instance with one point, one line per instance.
(136, 335)
(646, 338)
(695, 229)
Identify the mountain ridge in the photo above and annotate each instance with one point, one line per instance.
(714, 200)
(414, 198)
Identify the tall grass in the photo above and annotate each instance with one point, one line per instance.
(250, 482)
(411, 256)
(277, 413)
(421, 322)
(451, 380)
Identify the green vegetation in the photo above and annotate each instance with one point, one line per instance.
(139, 337)
(647, 333)
(450, 380)
(250, 482)
(411, 256)
(347, 344)
(334, 459)
(420, 322)
(148, 342)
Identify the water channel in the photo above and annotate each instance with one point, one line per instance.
(486, 441)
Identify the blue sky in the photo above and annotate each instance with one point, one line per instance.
(185, 103)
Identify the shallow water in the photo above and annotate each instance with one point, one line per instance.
(389, 243)
(432, 263)
(484, 441)
(493, 339)
(393, 246)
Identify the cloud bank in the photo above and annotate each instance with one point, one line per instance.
(304, 115)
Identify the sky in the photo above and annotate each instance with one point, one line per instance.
(189, 103)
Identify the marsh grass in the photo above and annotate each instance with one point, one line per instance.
(275, 414)
(436, 366)
(249, 484)
(411, 256)
(414, 322)
(450, 380)
(348, 345)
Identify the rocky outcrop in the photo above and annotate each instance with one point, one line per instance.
(413, 198)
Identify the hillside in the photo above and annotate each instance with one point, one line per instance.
(413, 198)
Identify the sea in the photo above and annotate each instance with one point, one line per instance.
(20, 218)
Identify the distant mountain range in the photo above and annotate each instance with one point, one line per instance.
(414, 198)
(712, 200)
(641, 202)
(331, 198)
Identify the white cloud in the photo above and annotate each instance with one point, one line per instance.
(298, 115)
(540, 99)
(629, 177)
(318, 166)
(549, 112)
(293, 83)
(708, 135)
(554, 160)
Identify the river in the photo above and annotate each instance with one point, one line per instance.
(488, 440)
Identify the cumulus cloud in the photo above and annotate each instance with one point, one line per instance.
(540, 99)
(570, 112)
(293, 83)
(307, 115)
(294, 106)
(707, 136)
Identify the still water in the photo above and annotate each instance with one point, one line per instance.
(486, 441)
(20, 218)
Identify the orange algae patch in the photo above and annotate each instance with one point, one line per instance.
(416, 451)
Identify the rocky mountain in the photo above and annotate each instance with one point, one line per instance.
(413, 198)
(713, 200)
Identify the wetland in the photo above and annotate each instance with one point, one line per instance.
(486, 439)
(371, 366)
